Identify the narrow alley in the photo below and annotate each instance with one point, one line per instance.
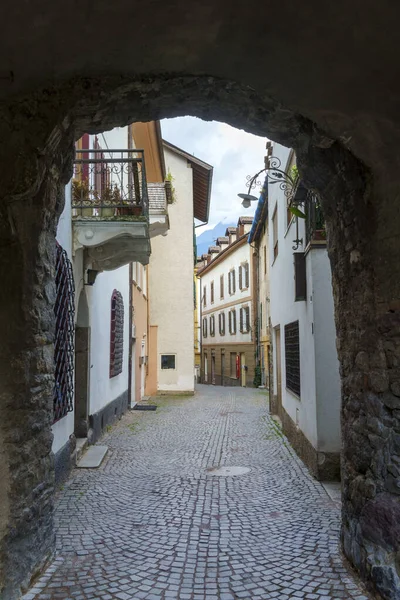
(156, 520)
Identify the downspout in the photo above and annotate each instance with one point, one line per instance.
(201, 333)
(130, 399)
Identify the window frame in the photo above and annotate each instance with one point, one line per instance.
(275, 232)
(169, 354)
(116, 359)
(212, 325)
(292, 367)
(204, 325)
(221, 323)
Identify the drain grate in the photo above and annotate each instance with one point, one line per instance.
(228, 471)
(145, 407)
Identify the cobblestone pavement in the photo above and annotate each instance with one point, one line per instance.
(154, 522)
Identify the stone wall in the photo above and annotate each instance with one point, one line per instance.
(325, 466)
(363, 245)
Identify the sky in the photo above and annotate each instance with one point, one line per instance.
(233, 153)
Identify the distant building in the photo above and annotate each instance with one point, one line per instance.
(306, 389)
(227, 311)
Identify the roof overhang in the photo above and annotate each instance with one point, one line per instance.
(202, 182)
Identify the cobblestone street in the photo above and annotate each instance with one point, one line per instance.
(154, 521)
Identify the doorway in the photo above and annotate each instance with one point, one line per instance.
(278, 372)
(142, 369)
(243, 369)
(222, 367)
(82, 360)
(213, 368)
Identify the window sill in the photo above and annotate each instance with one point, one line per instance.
(289, 226)
(315, 245)
(292, 393)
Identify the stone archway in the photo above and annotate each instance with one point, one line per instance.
(304, 78)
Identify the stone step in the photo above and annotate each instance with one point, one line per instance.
(93, 457)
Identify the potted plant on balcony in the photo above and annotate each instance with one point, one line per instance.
(81, 198)
(109, 198)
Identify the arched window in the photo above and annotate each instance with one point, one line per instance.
(64, 312)
(117, 334)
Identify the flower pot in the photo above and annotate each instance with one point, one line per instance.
(108, 211)
(87, 212)
(319, 235)
(130, 211)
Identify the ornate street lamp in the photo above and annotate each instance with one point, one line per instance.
(288, 182)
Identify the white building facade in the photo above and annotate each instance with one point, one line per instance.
(306, 382)
(171, 294)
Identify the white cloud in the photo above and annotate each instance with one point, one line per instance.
(234, 154)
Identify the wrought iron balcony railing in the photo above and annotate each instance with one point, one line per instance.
(109, 184)
(315, 222)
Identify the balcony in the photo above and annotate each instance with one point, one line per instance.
(314, 222)
(160, 195)
(114, 210)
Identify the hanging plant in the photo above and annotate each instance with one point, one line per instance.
(172, 195)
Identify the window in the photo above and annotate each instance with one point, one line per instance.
(64, 312)
(233, 364)
(221, 323)
(232, 281)
(275, 232)
(261, 316)
(300, 279)
(244, 316)
(246, 275)
(212, 292)
(204, 296)
(117, 334)
(168, 361)
(232, 321)
(292, 357)
(205, 327)
(221, 287)
(240, 277)
(212, 325)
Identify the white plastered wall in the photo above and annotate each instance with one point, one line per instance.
(171, 283)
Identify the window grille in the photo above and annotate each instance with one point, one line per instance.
(117, 334)
(292, 357)
(64, 311)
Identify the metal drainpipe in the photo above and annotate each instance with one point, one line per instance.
(130, 338)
